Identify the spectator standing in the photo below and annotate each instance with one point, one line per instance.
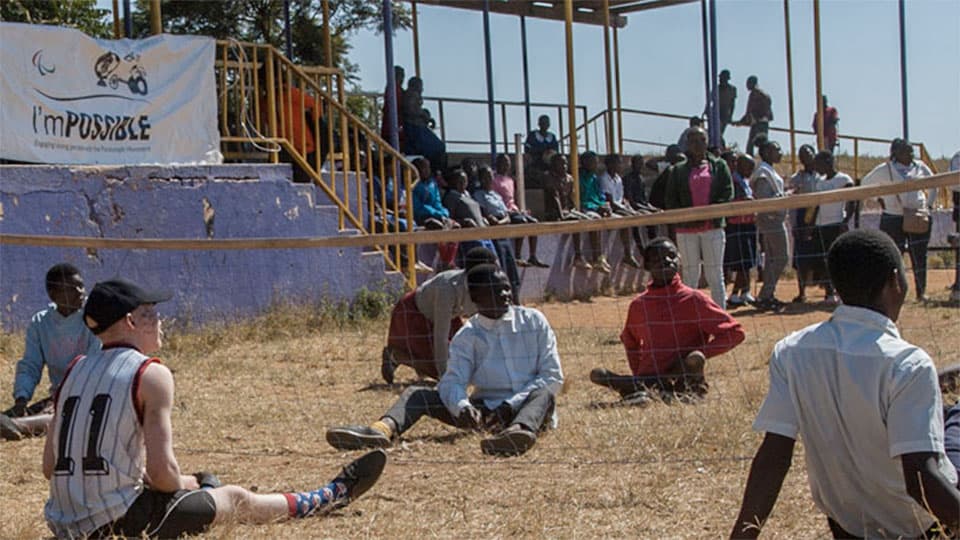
(808, 258)
(832, 217)
(399, 76)
(727, 100)
(955, 193)
(419, 137)
(504, 185)
(903, 168)
(831, 118)
(700, 180)
(767, 184)
(740, 253)
(695, 122)
(539, 141)
(759, 114)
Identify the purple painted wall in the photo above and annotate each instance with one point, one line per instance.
(170, 202)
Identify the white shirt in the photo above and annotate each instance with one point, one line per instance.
(832, 213)
(886, 173)
(95, 405)
(504, 359)
(612, 185)
(859, 396)
(767, 183)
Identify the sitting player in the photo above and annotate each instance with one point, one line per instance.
(55, 336)
(670, 331)
(114, 472)
(507, 353)
(424, 321)
(867, 406)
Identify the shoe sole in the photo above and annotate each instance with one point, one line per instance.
(512, 443)
(368, 467)
(342, 439)
(387, 366)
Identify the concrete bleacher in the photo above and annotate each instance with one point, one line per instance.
(180, 202)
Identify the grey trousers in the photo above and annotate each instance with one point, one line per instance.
(775, 250)
(417, 402)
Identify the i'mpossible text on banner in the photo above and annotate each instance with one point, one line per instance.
(69, 98)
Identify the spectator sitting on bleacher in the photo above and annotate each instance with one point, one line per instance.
(503, 184)
(611, 185)
(592, 201)
(466, 211)
(418, 126)
(558, 206)
(429, 212)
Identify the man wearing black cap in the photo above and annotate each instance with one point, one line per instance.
(109, 451)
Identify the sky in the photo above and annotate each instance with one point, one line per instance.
(661, 63)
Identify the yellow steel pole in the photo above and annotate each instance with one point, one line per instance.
(793, 132)
(616, 72)
(609, 77)
(572, 103)
(816, 48)
(416, 40)
(116, 20)
(156, 24)
(327, 43)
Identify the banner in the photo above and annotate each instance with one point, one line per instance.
(68, 98)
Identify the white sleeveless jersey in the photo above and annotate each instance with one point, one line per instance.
(98, 443)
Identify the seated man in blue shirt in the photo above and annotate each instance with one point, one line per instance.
(507, 353)
(55, 337)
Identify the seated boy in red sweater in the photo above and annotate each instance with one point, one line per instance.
(670, 331)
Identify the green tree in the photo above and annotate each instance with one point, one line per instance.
(261, 21)
(80, 14)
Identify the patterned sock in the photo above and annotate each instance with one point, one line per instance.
(382, 427)
(305, 503)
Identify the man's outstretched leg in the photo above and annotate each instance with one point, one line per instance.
(235, 504)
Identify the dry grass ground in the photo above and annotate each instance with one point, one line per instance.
(253, 403)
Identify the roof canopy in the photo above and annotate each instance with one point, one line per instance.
(584, 11)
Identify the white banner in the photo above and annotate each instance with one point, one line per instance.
(68, 98)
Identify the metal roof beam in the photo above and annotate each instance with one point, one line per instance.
(585, 11)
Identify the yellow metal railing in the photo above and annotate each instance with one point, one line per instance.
(271, 109)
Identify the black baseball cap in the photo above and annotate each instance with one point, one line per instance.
(111, 300)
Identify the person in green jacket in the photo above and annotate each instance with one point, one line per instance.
(700, 180)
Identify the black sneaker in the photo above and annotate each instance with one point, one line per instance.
(513, 441)
(360, 475)
(388, 366)
(601, 376)
(9, 430)
(356, 438)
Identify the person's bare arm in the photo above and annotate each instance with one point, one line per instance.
(930, 489)
(769, 468)
(156, 396)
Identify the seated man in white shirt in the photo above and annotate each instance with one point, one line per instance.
(611, 185)
(867, 405)
(507, 353)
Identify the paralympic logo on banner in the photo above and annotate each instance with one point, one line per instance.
(94, 101)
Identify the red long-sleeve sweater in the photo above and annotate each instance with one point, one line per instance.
(664, 323)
